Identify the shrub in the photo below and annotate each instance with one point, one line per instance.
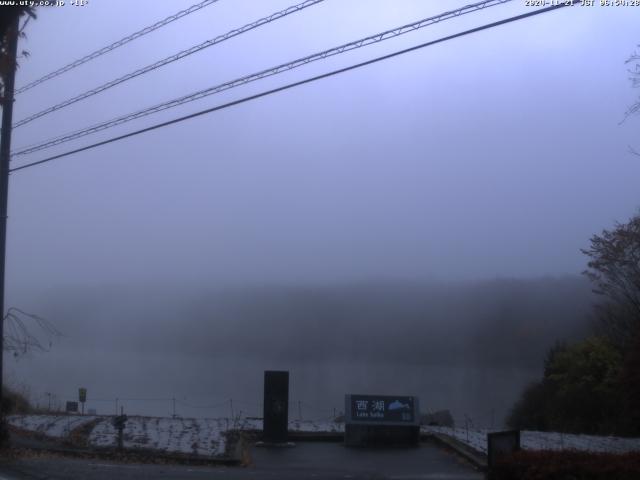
(14, 402)
(567, 465)
(581, 391)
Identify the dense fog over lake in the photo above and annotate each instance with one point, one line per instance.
(469, 346)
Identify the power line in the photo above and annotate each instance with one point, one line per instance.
(218, 405)
(294, 84)
(144, 399)
(378, 37)
(119, 43)
(173, 58)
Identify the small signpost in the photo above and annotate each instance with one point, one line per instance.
(72, 407)
(381, 420)
(82, 397)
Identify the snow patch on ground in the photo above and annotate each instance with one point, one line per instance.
(206, 436)
(57, 426)
(316, 427)
(591, 443)
(477, 439)
(302, 426)
(199, 436)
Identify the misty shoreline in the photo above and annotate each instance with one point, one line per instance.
(467, 346)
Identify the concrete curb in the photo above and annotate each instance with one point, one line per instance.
(477, 459)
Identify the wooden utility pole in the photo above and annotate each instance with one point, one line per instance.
(9, 77)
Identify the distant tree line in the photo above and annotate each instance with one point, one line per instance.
(593, 386)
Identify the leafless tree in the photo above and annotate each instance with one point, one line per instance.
(25, 333)
(634, 75)
(614, 269)
(634, 72)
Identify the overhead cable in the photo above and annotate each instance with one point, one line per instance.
(292, 85)
(165, 61)
(378, 37)
(117, 44)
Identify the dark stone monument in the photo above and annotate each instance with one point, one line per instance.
(276, 407)
(381, 420)
(501, 443)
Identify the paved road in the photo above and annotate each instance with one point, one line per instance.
(305, 461)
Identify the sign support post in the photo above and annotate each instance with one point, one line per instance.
(82, 397)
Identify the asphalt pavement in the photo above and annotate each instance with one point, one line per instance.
(304, 461)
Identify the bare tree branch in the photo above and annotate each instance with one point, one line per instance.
(21, 339)
(614, 270)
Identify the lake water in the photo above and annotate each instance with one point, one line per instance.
(148, 383)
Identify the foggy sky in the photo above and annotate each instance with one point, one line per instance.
(497, 154)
